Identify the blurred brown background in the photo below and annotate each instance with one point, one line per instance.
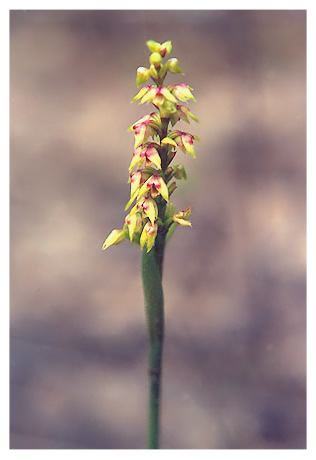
(234, 370)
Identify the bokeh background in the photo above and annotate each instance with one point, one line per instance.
(234, 369)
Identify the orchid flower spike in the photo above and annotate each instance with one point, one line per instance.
(152, 176)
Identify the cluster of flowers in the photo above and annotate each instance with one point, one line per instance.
(151, 176)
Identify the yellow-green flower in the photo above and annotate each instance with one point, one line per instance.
(134, 224)
(146, 155)
(146, 127)
(184, 141)
(182, 91)
(182, 217)
(173, 65)
(142, 75)
(183, 113)
(148, 236)
(156, 186)
(155, 94)
(149, 208)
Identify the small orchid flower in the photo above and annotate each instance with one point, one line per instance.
(174, 66)
(183, 113)
(145, 127)
(182, 217)
(184, 141)
(149, 207)
(182, 91)
(156, 185)
(155, 94)
(148, 236)
(142, 75)
(134, 224)
(147, 155)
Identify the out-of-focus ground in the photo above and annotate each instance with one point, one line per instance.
(234, 369)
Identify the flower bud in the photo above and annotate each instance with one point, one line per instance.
(155, 58)
(153, 46)
(142, 75)
(173, 65)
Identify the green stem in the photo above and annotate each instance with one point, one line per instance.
(153, 293)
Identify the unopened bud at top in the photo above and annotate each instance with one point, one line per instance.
(142, 75)
(174, 66)
(163, 48)
(153, 46)
(155, 58)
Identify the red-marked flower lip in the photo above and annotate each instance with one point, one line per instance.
(146, 120)
(187, 136)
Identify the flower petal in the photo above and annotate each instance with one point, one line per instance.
(163, 189)
(131, 222)
(136, 159)
(149, 96)
(189, 147)
(154, 157)
(168, 140)
(135, 180)
(153, 45)
(184, 223)
(115, 237)
(167, 94)
(141, 93)
(151, 210)
(140, 135)
(144, 188)
(143, 238)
